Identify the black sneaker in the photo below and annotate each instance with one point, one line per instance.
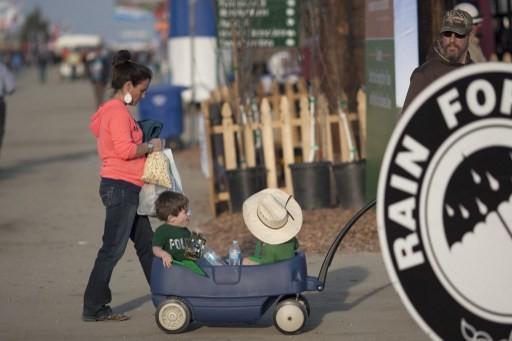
(105, 314)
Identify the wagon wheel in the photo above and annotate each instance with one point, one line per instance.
(305, 302)
(290, 316)
(301, 299)
(173, 316)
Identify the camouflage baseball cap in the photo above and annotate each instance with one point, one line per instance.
(457, 21)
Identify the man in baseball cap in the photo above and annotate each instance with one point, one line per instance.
(457, 21)
(459, 24)
(449, 52)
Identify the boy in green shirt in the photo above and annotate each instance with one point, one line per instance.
(274, 218)
(171, 238)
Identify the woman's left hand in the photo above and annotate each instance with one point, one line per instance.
(158, 144)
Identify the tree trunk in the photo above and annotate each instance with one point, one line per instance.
(341, 50)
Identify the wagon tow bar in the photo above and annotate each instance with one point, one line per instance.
(322, 275)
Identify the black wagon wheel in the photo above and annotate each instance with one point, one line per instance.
(290, 316)
(173, 316)
(305, 302)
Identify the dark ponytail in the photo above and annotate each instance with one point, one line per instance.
(125, 70)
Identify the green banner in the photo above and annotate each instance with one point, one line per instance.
(381, 105)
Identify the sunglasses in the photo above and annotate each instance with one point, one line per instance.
(449, 34)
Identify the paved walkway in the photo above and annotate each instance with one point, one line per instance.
(51, 226)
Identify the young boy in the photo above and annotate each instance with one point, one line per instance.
(170, 239)
(274, 218)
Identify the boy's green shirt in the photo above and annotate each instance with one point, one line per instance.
(267, 253)
(173, 240)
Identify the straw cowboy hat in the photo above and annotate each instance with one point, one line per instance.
(272, 216)
(472, 10)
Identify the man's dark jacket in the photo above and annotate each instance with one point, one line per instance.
(435, 67)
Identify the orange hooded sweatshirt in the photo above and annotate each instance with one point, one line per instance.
(117, 136)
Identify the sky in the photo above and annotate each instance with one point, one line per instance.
(90, 17)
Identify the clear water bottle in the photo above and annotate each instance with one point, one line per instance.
(234, 253)
(212, 257)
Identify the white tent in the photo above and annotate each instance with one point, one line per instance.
(71, 41)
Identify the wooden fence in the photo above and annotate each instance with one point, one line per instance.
(281, 136)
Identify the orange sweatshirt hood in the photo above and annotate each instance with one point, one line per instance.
(96, 119)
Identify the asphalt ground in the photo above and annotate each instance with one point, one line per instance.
(51, 223)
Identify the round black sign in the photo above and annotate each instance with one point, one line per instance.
(444, 205)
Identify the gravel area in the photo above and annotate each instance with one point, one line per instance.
(318, 231)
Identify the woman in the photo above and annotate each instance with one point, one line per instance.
(122, 153)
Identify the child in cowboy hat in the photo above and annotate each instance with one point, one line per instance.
(274, 218)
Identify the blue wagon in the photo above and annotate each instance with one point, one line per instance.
(239, 294)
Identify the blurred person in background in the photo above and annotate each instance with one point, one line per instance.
(74, 60)
(474, 41)
(98, 71)
(122, 151)
(7, 87)
(42, 64)
(42, 55)
(16, 62)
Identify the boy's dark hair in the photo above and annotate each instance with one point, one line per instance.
(170, 203)
(125, 70)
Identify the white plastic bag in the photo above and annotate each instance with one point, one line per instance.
(147, 197)
(150, 192)
(175, 175)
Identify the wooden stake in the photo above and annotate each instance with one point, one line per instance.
(305, 119)
(286, 133)
(211, 175)
(250, 150)
(322, 113)
(267, 133)
(229, 137)
(361, 111)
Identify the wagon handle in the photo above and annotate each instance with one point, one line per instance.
(322, 275)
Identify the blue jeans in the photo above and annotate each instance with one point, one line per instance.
(122, 222)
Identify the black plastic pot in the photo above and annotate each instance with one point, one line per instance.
(350, 183)
(242, 183)
(311, 184)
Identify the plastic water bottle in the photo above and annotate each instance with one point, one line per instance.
(234, 253)
(212, 257)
